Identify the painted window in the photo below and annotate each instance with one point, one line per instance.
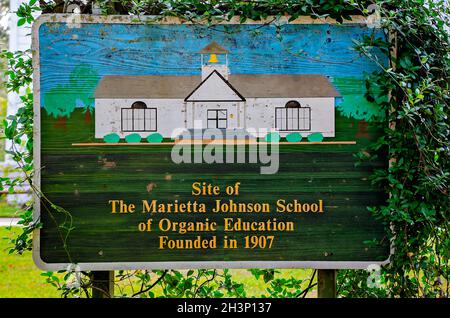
(292, 104)
(217, 118)
(293, 117)
(139, 118)
(139, 105)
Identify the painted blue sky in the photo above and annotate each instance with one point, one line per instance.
(120, 49)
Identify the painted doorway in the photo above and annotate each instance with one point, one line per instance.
(217, 118)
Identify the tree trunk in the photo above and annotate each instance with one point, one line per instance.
(87, 116)
(61, 122)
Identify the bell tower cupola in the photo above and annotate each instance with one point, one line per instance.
(214, 58)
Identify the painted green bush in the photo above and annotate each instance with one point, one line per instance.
(294, 137)
(272, 137)
(155, 138)
(133, 138)
(315, 137)
(111, 138)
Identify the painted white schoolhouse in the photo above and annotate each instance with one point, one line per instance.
(219, 99)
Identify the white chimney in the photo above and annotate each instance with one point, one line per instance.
(214, 58)
(221, 69)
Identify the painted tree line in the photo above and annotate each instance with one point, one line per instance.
(61, 100)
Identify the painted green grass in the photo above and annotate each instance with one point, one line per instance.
(19, 277)
(57, 135)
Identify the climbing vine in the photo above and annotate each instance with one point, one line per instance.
(416, 132)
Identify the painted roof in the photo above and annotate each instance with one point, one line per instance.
(202, 92)
(248, 85)
(213, 47)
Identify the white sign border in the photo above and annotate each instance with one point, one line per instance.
(103, 266)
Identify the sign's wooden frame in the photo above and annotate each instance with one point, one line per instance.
(71, 18)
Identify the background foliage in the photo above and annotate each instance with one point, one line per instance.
(417, 130)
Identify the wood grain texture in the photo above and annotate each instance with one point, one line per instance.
(209, 142)
(83, 179)
(81, 174)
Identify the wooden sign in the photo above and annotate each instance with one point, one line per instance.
(161, 144)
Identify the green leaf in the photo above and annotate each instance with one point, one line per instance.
(21, 21)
